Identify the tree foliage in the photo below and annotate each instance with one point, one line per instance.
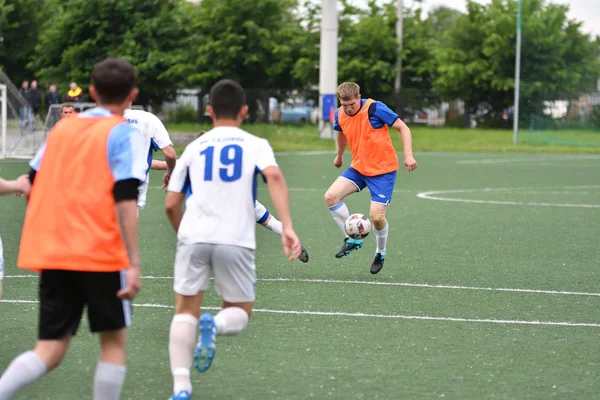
(478, 65)
(19, 26)
(272, 48)
(150, 35)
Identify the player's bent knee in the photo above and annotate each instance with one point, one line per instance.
(378, 220)
(331, 199)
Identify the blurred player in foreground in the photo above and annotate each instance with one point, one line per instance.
(80, 232)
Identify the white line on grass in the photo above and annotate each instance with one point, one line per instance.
(518, 160)
(367, 315)
(379, 283)
(431, 196)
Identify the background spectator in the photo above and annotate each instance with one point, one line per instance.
(75, 94)
(52, 97)
(35, 99)
(25, 117)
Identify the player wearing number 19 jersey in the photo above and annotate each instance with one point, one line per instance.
(216, 177)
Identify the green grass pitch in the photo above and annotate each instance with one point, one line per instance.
(485, 293)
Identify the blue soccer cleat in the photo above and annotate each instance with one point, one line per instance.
(182, 395)
(207, 338)
(349, 246)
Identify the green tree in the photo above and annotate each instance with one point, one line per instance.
(153, 36)
(368, 52)
(19, 25)
(477, 65)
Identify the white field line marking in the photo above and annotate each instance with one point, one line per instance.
(377, 283)
(312, 189)
(366, 315)
(539, 159)
(431, 196)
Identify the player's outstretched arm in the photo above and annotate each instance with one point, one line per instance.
(19, 186)
(280, 197)
(159, 165)
(409, 161)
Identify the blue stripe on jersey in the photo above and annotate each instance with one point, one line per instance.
(153, 147)
(187, 185)
(257, 171)
(264, 218)
(120, 152)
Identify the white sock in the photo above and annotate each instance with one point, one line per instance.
(108, 381)
(274, 225)
(231, 321)
(382, 235)
(182, 340)
(23, 370)
(340, 214)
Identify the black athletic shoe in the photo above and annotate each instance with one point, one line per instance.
(303, 254)
(349, 246)
(377, 263)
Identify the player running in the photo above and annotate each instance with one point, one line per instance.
(363, 124)
(216, 177)
(264, 218)
(157, 138)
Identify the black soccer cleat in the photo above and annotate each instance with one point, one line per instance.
(303, 254)
(349, 246)
(377, 264)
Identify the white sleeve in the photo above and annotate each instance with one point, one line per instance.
(160, 134)
(266, 157)
(180, 179)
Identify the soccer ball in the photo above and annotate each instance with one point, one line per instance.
(358, 226)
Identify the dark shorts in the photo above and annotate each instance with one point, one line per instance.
(65, 294)
(380, 186)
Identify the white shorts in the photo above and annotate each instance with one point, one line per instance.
(232, 266)
(142, 194)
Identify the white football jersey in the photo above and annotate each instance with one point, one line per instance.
(151, 127)
(218, 172)
(157, 138)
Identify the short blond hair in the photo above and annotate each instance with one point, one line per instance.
(348, 91)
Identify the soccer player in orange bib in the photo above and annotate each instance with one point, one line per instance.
(80, 233)
(363, 124)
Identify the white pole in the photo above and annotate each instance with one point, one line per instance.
(328, 65)
(399, 21)
(517, 75)
(4, 100)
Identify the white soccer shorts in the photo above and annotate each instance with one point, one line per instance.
(233, 267)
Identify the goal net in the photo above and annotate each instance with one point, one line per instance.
(20, 131)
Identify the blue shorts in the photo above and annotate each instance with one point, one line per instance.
(380, 186)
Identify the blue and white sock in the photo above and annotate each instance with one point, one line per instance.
(108, 381)
(340, 214)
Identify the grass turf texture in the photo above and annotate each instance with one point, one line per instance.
(370, 349)
(305, 138)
